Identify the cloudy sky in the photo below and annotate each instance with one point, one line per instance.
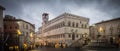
(31, 10)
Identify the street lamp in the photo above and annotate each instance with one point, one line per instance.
(100, 29)
(18, 32)
(31, 39)
(19, 37)
(31, 34)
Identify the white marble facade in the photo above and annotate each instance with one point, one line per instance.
(65, 28)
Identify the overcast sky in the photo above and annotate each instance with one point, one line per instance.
(31, 10)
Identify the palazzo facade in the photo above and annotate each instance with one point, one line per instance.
(65, 28)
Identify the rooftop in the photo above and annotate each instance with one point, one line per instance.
(11, 18)
(108, 20)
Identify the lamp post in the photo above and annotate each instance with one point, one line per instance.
(31, 39)
(19, 37)
(101, 30)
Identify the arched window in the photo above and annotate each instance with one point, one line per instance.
(76, 24)
(118, 28)
(69, 23)
(63, 23)
(82, 26)
(85, 25)
(69, 35)
(76, 35)
(80, 21)
(73, 24)
(26, 26)
(111, 30)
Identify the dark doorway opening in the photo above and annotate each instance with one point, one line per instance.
(73, 36)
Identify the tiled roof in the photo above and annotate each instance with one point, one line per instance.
(108, 20)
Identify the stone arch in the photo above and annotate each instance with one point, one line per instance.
(76, 24)
(69, 23)
(73, 24)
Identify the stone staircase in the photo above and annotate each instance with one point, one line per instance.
(76, 43)
(99, 44)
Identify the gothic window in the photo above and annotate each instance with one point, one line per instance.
(85, 25)
(63, 23)
(111, 30)
(77, 36)
(69, 35)
(73, 24)
(80, 21)
(82, 26)
(23, 26)
(26, 26)
(118, 28)
(76, 24)
(27, 33)
(69, 23)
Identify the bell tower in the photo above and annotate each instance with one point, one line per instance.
(45, 18)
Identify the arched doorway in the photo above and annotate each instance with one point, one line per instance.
(111, 40)
(73, 36)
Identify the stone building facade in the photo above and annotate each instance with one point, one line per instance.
(19, 27)
(1, 27)
(65, 28)
(109, 29)
(1, 18)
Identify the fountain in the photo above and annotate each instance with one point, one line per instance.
(100, 42)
